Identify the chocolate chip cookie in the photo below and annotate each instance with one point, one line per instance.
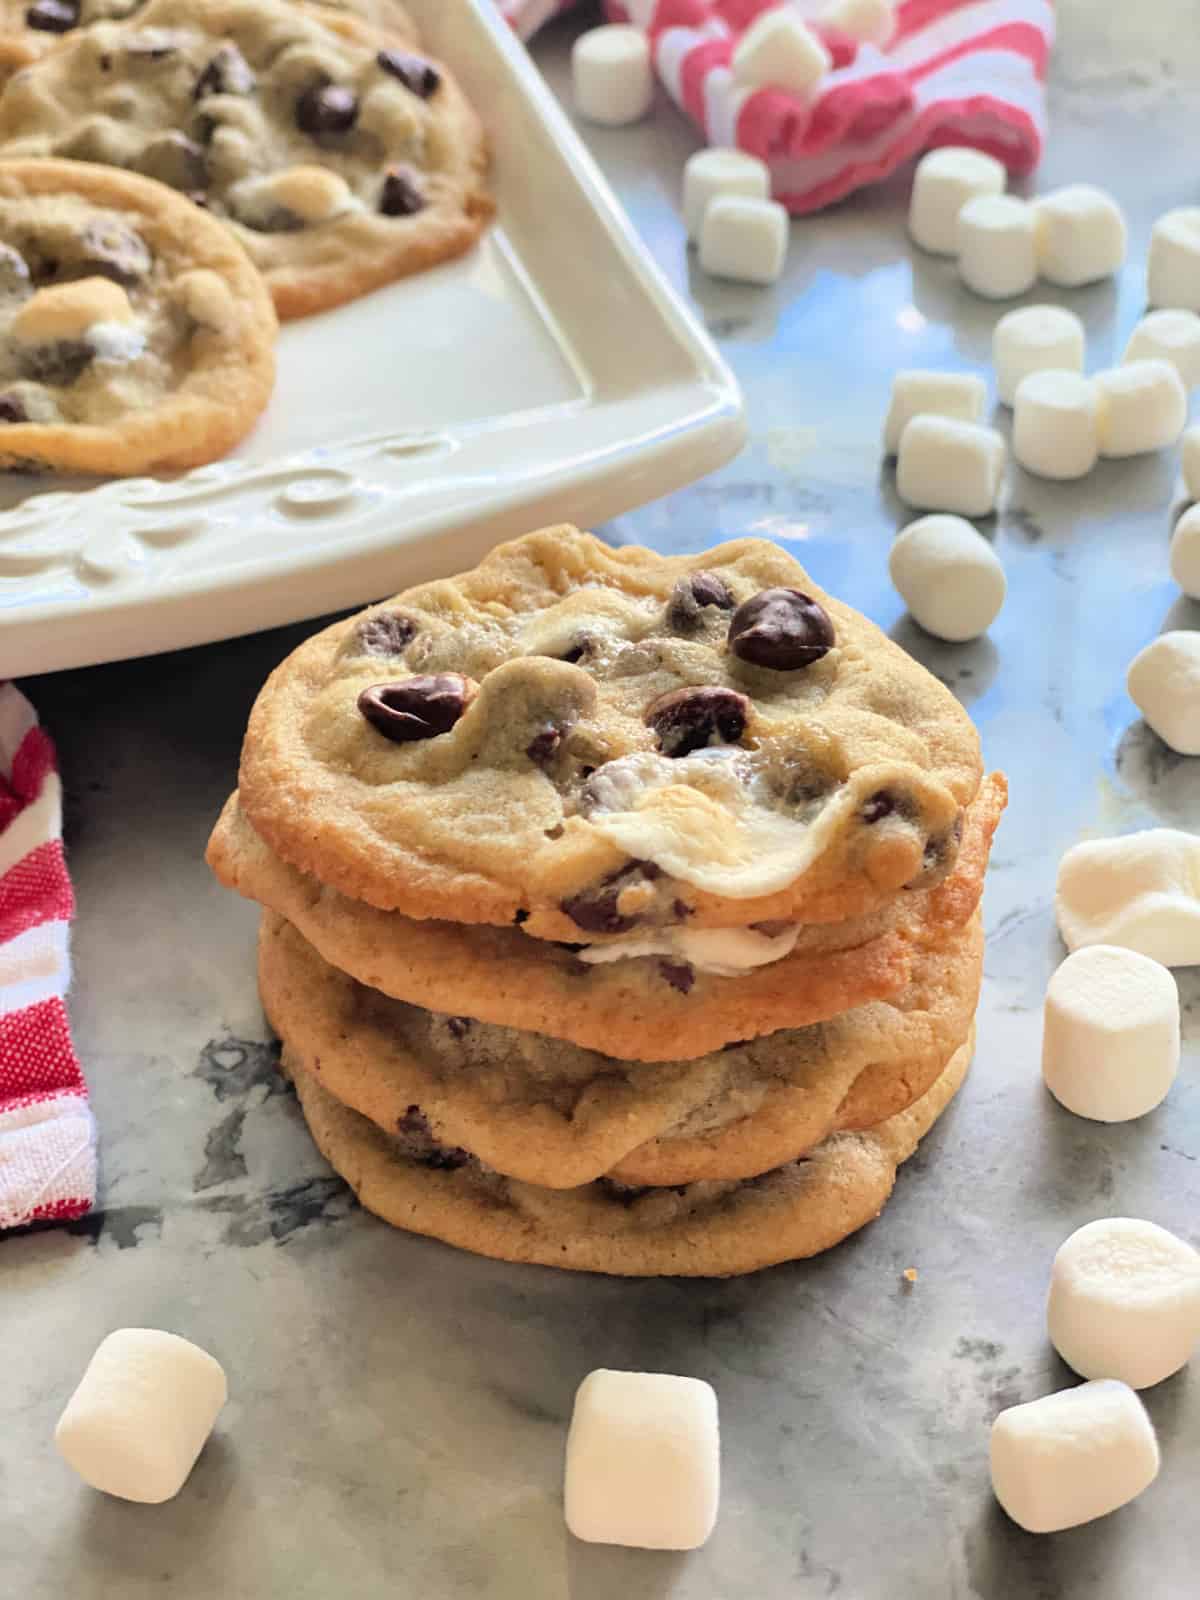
(699, 1230)
(339, 157)
(135, 334)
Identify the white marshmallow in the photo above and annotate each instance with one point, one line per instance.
(1110, 1039)
(948, 576)
(1172, 336)
(643, 1461)
(1055, 425)
(1185, 553)
(1140, 891)
(869, 21)
(1073, 1456)
(1173, 270)
(944, 465)
(1125, 1301)
(141, 1414)
(744, 239)
(1081, 235)
(1189, 452)
(612, 75)
(944, 181)
(1164, 684)
(1143, 406)
(935, 394)
(711, 174)
(1035, 339)
(996, 256)
(780, 51)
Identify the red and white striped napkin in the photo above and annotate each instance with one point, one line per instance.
(957, 72)
(47, 1138)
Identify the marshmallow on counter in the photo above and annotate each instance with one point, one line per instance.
(1110, 1039)
(1185, 554)
(995, 235)
(1172, 336)
(1081, 235)
(1173, 270)
(1073, 1456)
(711, 174)
(1125, 1301)
(946, 465)
(917, 393)
(1143, 406)
(1189, 452)
(612, 75)
(948, 576)
(1035, 339)
(944, 181)
(868, 21)
(1164, 684)
(141, 1414)
(643, 1461)
(1055, 425)
(1140, 891)
(744, 239)
(780, 51)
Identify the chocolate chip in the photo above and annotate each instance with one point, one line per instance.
(415, 73)
(61, 363)
(52, 16)
(418, 708)
(387, 633)
(781, 629)
(691, 595)
(681, 910)
(114, 252)
(414, 1126)
(175, 160)
(11, 409)
(542, 747)
(400, 195)
(688, 719)
(878, 806)
(458, 1025)
(326, 108)
(595, 911)
(228, 72)
(678, 974)
(520, 916)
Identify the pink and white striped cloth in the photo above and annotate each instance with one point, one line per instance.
(956, 72)
(47, 1138)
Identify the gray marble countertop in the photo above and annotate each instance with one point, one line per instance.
(398, 1409)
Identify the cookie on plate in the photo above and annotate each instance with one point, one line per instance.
(340, 159)
(135, 334)
(700, 1230)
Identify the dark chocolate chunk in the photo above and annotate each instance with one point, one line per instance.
(520, 916)
(595, 909)
(61, 363)
(11, 409)
(417, 708)
(52, 16)
(387, 633)
(401, 194)
(458, 1025)
(678, 974)
(414, 1127)
(691, 595)
(414, 72)
(878, 806)
(228, 72)
(688, 719)
(544, 744)
(781, 629)
(115, 252)
(326, 108)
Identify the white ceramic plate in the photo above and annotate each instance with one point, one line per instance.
(550, 376)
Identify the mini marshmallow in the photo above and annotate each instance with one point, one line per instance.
(744, 239)
(868, 21)
(612, 75)
(1143, 406)
(1055, 425)
(780, 51)
(1189, 452)
(944, 181)
(1172, 336)
(1185, 554)
(1164, 684)
(996, 256)
(1140, 891)
(711, 174)
(945, 465)
(1035, 339)
(1081, 235)
(643, 1461)
(1173, 269)
(1073, 1456)
(141, 1414)
(936, 394)
(948, 576)
(1125, 1301)
(1110, 1039)
(68, 310)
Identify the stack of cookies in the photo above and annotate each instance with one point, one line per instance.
(620, 911)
